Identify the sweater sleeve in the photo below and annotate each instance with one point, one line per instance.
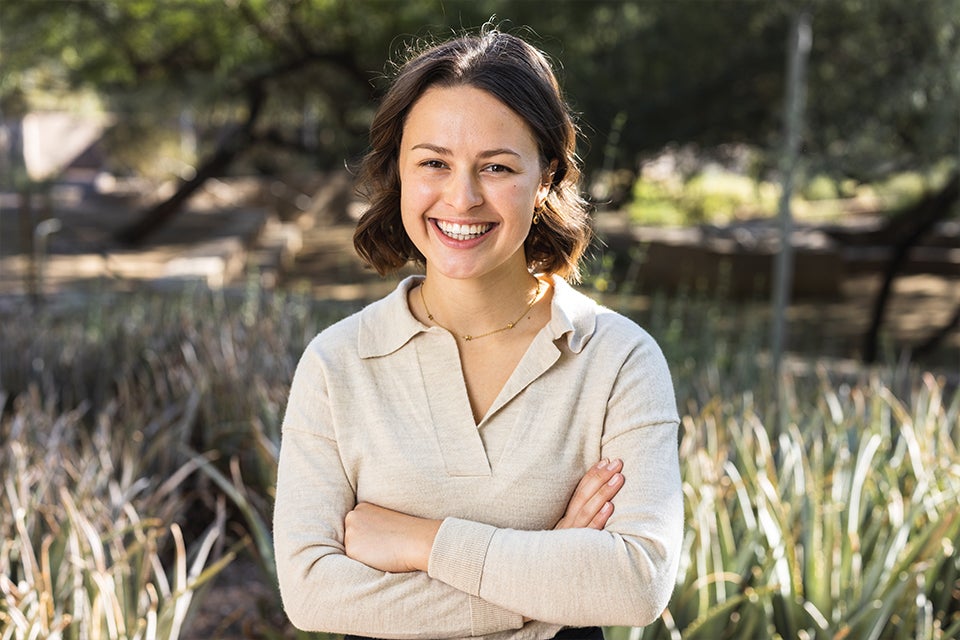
(623, 575)
(324, 590)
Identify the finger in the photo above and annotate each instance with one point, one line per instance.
(596, 504)
(600, 484)
(580, 511)
(595, 478)
(603, 515)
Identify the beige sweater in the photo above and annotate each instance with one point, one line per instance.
(378, 412)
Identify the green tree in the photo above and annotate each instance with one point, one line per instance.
(249, 68)
(883, 81)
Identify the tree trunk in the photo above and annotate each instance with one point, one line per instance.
(235, 143)
(922, 217)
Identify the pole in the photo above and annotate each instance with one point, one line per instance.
(801, 37)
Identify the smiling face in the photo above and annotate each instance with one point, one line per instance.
(470, 178)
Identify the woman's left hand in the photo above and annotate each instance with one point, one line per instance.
(592, 503)
(388, 540)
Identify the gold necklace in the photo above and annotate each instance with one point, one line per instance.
(510, 325)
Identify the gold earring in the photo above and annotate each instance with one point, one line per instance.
(536, 214)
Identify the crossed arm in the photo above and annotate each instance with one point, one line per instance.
(396, 542)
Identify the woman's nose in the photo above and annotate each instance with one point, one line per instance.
(463, 191)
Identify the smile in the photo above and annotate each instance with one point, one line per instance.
(463, 231)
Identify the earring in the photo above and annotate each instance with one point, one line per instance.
(536, 214)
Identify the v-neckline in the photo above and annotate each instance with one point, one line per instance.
(458, 433)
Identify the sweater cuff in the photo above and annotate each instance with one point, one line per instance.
(487, 618)
(456, 559)
(458, 554)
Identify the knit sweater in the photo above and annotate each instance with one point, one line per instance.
(378, 412)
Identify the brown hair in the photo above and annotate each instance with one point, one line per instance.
(517, 74)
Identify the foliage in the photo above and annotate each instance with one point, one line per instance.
(91, 545)
(713, 196)
(656, 203)
(718, 196)
(157, 380)
(883, 75)
(845, 524)
(209, 60)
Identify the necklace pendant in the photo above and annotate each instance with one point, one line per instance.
(467, 338)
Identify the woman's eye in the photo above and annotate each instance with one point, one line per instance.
(499, 168)
(432, 164)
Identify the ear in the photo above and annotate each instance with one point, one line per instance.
(546, 182)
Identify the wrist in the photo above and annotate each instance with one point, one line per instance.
(426, 535)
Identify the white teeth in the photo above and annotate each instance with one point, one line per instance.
(463, 231)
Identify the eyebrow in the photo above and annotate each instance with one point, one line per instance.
(489, 153)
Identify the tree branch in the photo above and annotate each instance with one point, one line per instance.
(229, 148)
(924, 215)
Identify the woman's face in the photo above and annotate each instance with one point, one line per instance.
(470, 178)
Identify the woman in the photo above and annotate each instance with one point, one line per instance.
(438, 471)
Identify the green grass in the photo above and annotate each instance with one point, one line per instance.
(140, 447)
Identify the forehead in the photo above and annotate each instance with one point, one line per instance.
(466, 116)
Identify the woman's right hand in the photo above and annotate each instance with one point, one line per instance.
(591, 504)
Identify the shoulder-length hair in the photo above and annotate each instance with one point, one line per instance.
(517, 74)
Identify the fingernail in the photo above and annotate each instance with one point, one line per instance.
(603, 463)
(614, 479)
(612, 465)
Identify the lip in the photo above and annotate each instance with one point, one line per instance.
(461, 244)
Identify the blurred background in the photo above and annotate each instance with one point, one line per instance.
(775, 185)
(134, 123)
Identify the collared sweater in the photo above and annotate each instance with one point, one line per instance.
(378, 412)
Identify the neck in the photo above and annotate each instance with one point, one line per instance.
(474, 307)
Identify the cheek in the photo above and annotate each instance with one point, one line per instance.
(408, 207)
(416, 200)
(522, 197)
(414, 192)
(407, 200)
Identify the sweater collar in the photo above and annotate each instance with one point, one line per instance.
(572, 314)
(387, 324)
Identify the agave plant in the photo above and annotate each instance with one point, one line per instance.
(91, 546)
(159, 378)
(845, 526)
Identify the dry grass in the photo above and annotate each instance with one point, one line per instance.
(92, 547)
